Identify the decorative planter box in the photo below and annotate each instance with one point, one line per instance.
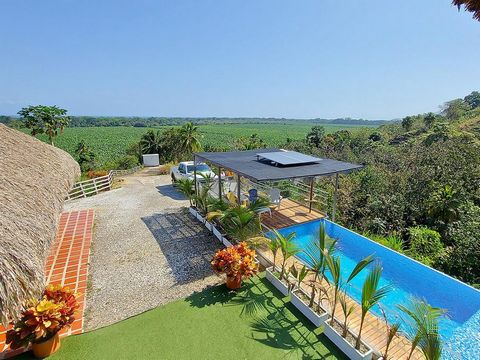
(345, 346)
(217, 233)
(208, 225)
(226, 242)
(315, 318)
(200, 218)
(193, 211)
(276, 281)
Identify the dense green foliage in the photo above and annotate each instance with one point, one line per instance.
(425, 244)
(425, 174)
(419, 192)
(43, 119)
(109, 144)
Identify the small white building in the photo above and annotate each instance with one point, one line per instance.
(151, 160)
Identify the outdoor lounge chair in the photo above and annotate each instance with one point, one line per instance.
(275, 198)
(252, 195)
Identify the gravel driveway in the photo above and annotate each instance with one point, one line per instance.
(146, 250)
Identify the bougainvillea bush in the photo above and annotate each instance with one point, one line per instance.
(43, 318)
(235, 260)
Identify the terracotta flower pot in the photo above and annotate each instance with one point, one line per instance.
(234, 282)
(46, 348)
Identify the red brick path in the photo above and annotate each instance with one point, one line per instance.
(67, 263)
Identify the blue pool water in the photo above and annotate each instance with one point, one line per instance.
(460, 329)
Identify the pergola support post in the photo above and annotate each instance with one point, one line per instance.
(310, 201)
(219, 183)
(334, 207)
(238, 189)
(195, 177)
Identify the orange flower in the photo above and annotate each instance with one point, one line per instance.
(234, 260)
(43, 319)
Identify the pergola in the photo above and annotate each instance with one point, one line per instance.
(261, 165)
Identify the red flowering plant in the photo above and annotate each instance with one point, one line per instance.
(235, 260)
(42, 319)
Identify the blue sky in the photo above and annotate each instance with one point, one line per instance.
(377, 59)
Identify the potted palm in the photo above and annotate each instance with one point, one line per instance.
(352, 345)
(215, 208)
(371, 295)
(423, 328)
(237, 263)
(239, 223)
(202, 197)
(311, 304)
(42, 320)
(287, 249)
(343, 338)
(186, 187)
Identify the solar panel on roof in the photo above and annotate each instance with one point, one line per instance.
(288, 158)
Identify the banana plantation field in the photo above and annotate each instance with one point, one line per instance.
(110, 143)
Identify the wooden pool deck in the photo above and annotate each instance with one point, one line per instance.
(374, 331)
(289, 213)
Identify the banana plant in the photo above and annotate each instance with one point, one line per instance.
(315, 253)
(423, 328)
(371, 295)
(334, 266)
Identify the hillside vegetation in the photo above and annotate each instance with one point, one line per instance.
(420, 189)
(419, 192)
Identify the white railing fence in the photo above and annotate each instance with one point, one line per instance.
(85, 188)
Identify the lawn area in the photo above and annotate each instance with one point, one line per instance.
(254, 323)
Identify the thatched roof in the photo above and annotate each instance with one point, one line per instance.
(470, 5)
(34, 180)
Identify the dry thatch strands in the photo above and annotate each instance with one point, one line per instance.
(34, 180)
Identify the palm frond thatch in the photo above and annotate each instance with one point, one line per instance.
(34, 180)
(472, 6)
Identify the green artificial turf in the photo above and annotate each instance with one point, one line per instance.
(253, 323)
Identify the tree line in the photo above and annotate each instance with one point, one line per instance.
(107, 121)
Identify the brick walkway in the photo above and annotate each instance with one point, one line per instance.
(67, 263)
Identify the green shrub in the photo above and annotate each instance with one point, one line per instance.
(463, 257)
(393, 241)
(127, 162)
(425, 244)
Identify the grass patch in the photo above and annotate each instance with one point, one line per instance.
(254, 323)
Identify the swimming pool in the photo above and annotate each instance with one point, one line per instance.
(408, 278)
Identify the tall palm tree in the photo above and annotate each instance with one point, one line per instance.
(151, 142)
(423, 328)
(470, 5)
(189, 138)
(371, 295)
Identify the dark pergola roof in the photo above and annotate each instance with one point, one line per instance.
(247, 164)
